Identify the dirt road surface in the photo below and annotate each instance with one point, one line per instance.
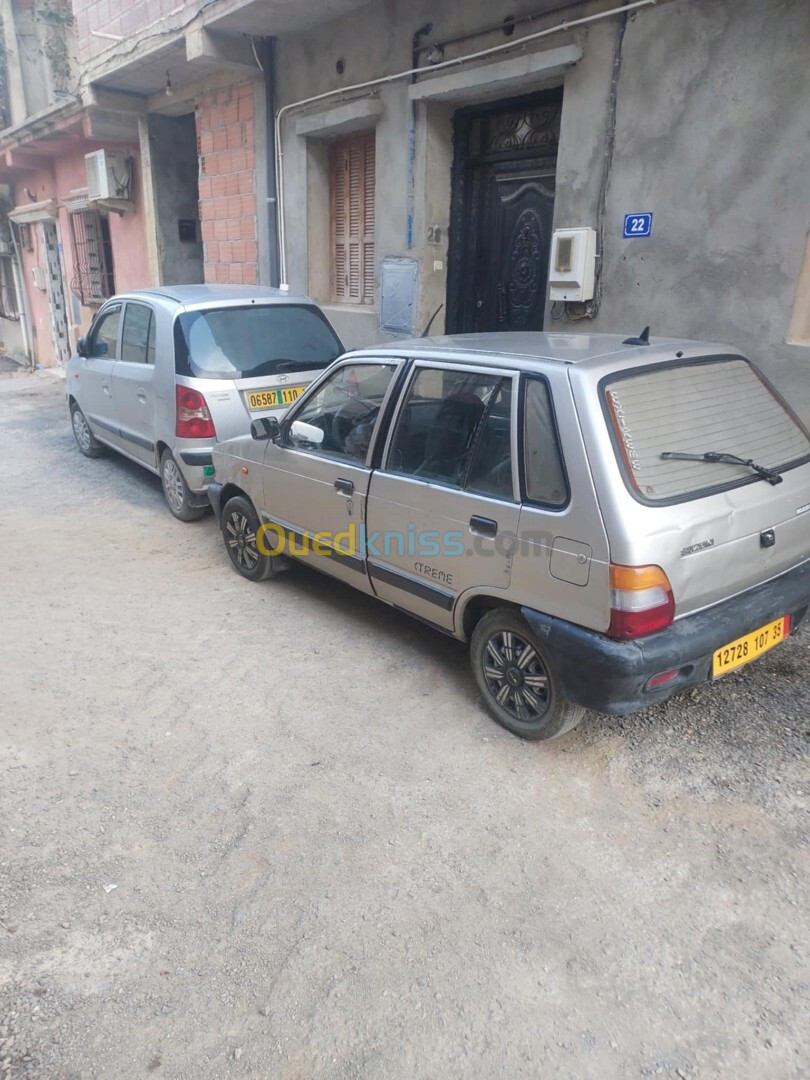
(268, 831)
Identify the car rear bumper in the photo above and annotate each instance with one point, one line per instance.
(610, 676)
(195, 464)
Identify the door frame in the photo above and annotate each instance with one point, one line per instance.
(465, 193)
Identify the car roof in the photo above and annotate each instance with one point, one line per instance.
(201, 294)
(503, 349)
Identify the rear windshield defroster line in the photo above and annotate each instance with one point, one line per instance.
(252, 341)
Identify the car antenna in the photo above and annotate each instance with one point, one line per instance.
(426, 331)
(642, 339)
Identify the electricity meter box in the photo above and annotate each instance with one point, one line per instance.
(573, 264)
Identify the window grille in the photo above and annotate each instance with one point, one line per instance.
(92, 279)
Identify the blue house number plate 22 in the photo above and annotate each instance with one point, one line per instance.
(637, 225)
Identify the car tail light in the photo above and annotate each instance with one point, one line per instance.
(641, 601)
(193, 418)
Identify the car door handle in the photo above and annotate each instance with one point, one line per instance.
(106, 388)
(141, 396)
(483, 526)
(345, 487)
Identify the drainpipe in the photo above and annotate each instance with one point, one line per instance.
(28, 335)
(268, 66)
(569, 24)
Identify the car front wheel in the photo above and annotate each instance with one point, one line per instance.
(176, 490)
(240, 527)
(517, 679)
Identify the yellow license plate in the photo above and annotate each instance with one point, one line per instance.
(748, 648)
(271, 399)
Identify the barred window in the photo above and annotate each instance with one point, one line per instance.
(351, 183)
(92, 279)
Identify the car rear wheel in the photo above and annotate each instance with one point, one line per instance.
(85, 439)
(517, 679)
(240, 526)
(176, 490)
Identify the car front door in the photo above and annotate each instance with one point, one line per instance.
(96, 379)
(315, 476)
(442, 512)
(133, 382)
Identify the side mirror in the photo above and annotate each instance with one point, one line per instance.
(81, 346)
(266, 427)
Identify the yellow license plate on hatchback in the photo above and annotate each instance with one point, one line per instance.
(271, 399)
(748, 648)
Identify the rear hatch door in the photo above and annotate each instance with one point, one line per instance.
(252, 360)
(716, 527)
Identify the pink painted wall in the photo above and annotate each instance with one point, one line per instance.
(127, 233)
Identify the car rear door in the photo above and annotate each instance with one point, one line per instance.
(133, 381)
(443, 510)
(315, 477)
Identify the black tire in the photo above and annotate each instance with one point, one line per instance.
(175, 490)
(85, 439)
(517, 679)
(240, 523)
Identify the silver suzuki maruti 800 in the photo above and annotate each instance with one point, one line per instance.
(607, 522)
(163, 373)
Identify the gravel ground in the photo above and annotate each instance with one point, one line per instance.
(269, 832)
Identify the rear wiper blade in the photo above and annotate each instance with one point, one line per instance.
(727, 459)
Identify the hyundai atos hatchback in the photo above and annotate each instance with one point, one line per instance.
(606, 522)
(164, 373)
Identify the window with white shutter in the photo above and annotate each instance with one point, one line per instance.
(351, 183)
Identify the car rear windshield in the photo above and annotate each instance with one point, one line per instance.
(721, 406)
(254, 340)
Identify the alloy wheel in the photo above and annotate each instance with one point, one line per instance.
(82, 431)
(174, 486)
(241, 541)
(516, 676)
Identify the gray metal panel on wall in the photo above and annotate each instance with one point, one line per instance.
(398, 296)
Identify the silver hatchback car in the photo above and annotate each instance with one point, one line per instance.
(606, 522)
(164, 373)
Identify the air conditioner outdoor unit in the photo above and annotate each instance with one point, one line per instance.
(109, 175)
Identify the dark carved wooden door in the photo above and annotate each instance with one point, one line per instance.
(503, 205)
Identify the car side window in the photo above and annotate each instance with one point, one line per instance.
(544, 470)
(138, 338)
(104, 336)
(456, 427)
(338, 420)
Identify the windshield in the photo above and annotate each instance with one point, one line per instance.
(719, 405)
(251, 341)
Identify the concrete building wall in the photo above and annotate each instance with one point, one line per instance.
(226, 138)
(710, 136)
